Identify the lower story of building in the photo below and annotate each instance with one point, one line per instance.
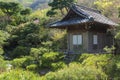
(88, 41)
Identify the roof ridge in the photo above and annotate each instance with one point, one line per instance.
(74, 8)
(89, 9)
(82, 12)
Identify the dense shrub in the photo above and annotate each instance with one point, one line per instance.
(32, 67)
(33, 39)
(52, 56)
(105, 62)
(19, 75)
(18, 62)
(20, 51)
(2, 65)
(84, 56)
(37, 53)
(1, 51)
(3, 37)
(76, 72)
(49, 58)
(58, 65)
(29, 60)
(23, 62)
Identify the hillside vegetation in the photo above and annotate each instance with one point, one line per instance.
(31, 51)
(34, 4)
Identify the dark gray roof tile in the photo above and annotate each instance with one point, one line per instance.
(96, 16)
(88, 14)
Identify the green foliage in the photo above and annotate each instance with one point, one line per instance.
(23, 62)
(37, 53)
(3, 37)
(52, 56)
(47, 45)
(117, 36)
(51, 13)
(49, 58)
(22, 36)
(20, 51)
(76, 72)
(103, 4)
(18, 62)
(105, 7)
(26, 11)
(26, 36)
(29, 60)
(2, 65)
(32, 67)
(1, 51)
(92, 67)
(119, 12)
(14, 14)
(109, 50)
(59, 5)
(19, 75)
(105, 63)
(1, 13)
(59, 39)
(58, 65)
(27, 29)
(40, 14)
(10, 8)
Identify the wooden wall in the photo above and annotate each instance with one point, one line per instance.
(88, 46)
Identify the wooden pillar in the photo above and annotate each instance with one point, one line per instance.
(85, 41)
(68, 41)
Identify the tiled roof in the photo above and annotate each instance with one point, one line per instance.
(88, 14)
(69, 22)
(96, 15)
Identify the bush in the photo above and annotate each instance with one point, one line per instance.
(19, 75)
(49, 58)
(37, 53)
(32, 67)
(84, 56)
(58, 65)
(52, 56)
(18, 62)
(23, 62)
(29, 60)
(1, 51)
(2, 65)
(104, 62)
(20, 51)
(76, 71)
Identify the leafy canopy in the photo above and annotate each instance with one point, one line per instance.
(60, 5)
(10, 8)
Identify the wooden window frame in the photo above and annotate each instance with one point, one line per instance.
(95, 41)
(78, 41)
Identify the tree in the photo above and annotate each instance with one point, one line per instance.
(117, 36)
(109, 8)
(14, 13)
(60, 5)
(26, 11)
(10, 8)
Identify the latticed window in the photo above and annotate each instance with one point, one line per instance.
(95, 41)
(77, 39)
